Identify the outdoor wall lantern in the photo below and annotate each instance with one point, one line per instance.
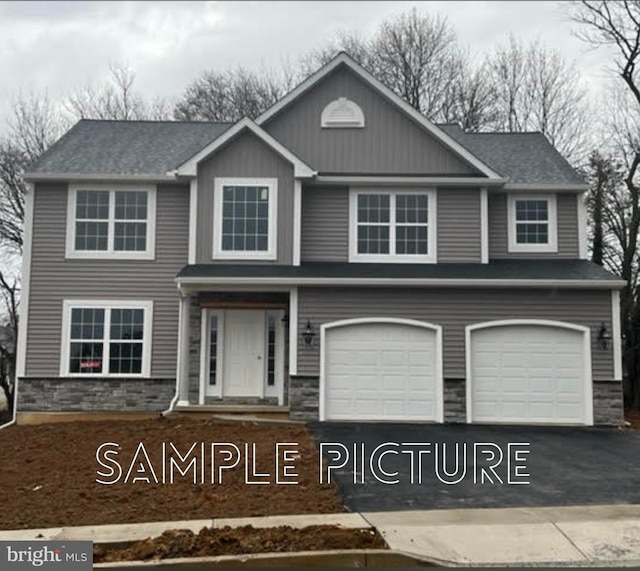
(308, 334)
(604, 338)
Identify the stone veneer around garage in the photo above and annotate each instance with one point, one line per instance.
(607, 401)
(93, 394)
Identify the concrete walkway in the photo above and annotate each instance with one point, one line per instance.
(583, 536)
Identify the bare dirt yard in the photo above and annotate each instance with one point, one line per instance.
(48, 474)
(241, 540)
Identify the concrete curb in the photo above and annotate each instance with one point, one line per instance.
(333, 558)
(582, 536)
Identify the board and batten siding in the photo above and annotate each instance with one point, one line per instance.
(459, 225)
(54, 278)
(390, 142)
(454, 309)
(325, 224)
(245, 156)
(567, 220)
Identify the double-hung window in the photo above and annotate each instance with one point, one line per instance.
(245, 218)
(532, 223)
(111, 222)
(106, 338)
(393, 226)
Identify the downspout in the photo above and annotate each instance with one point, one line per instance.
(176, 395)
(15, 406)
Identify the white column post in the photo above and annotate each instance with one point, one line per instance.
(183, 350)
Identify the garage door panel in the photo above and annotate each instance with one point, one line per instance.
(385, 371)
(537, 374)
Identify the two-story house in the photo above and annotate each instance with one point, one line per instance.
(339, 258)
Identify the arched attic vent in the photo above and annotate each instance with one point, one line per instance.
(342, 113)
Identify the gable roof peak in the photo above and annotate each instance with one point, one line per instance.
(189, 167)
(342, 58)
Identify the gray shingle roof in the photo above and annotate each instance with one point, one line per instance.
(155, 147)
(514, 269)
(523, 157)
(126, 147)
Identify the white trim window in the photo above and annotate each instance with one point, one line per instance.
(245, 219)
(106, 338)
(532, 223)
(392, 226)
(104, 221)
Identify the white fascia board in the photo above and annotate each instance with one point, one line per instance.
(23, 308)
(484, 226)
(189, 167)
(403, 282)
(616, 334)
(343, 58)
(410, 180)
(526, 187)
(98, 177)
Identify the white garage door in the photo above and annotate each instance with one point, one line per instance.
(529, 374)
(381, 371)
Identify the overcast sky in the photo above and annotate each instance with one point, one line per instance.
(60, 46)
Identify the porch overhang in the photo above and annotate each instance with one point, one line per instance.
(576, 274)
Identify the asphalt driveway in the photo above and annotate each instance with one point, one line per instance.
(564, 465)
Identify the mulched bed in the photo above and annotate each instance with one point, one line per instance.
(241, 540)
(48, 474)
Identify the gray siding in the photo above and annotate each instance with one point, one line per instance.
(568, 246)
(454, 309)
(53, 278)
(459, 225)
(325, 225)
(389, 143)
(245, 156)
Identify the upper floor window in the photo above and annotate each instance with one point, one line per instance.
(106, 338)
(393, 226)
(245, 218)
(532, 223)
(111, 222)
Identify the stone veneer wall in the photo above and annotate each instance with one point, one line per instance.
(304, 395)
(304, 398)
(195, 327)
(455, 400)
(608, 408)
(90, 394)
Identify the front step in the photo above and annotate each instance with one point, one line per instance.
(261, 411)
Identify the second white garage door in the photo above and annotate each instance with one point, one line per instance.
(529, 373)
(381, 370)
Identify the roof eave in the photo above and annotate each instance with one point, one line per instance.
(96, 177)
(404, 282)
(411, 180)
(545, 187)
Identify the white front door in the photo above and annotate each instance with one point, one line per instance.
(244, 348)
